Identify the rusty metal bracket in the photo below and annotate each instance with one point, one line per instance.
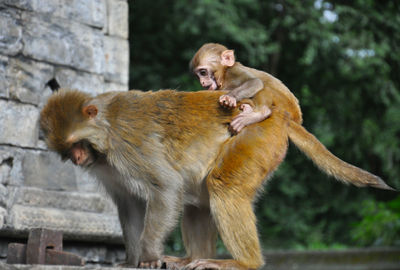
(43, 247)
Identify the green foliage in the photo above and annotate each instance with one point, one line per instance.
(380, 225)
(340, 58)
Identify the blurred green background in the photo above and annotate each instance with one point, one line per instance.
(342, 61)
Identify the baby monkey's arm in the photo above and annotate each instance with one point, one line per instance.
(248, 89)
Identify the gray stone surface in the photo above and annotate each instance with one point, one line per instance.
(6, 164)
(18, 124)
(85, 182)
(45, 170)
(5, 167)
(353, 259)
(11, 163)
(4, 84)
(76, 225)
(3, 248)
(3, 213)
(24, 79)
(27, 79)
(75, 201)
(98, 254)
(112, 86)
(3, 195)
(4, 266)
(116, 59)
(10, 32)
(91, 83)
(118, 18)
(33, 168)
(81, 44)
(91, 12)
(60, 41)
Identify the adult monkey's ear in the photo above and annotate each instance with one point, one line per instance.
(228, 58)
(90, 111)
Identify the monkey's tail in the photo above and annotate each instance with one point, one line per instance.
(329, 163)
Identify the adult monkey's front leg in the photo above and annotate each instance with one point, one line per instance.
(162, 213)
(199, 234)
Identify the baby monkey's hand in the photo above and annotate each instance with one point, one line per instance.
(227, 101)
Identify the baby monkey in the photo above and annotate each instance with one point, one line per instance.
(217, 69)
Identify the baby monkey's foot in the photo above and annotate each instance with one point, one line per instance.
(248, 117)
(246, 108)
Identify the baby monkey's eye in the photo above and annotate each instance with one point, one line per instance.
(203, 72)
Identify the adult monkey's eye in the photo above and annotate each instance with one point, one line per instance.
(203, 72)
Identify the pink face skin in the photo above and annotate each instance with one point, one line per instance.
(80, 155)
(206, 78)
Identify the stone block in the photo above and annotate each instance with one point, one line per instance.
(3, 248)
(63, 42)
(11, 161)
(116, 55)
(6, 164)
(21, 4)
(75, 201)
(18, 124)
(4, 85)
(95, 253)
(27, 80)
(36, 168)
(86, 182)
(75, 225)
(118, 23)
(10, 32)
(91, 83)
(46, 170)
(10, 166)
(4, 266)
(112, 86)
(46, 92)
(3, 196)
(91, 12)
(3, 214)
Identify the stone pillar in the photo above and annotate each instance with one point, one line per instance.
(80, 44)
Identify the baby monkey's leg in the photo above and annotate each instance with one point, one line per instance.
(248, 116)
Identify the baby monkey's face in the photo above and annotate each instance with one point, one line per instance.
(206, 77)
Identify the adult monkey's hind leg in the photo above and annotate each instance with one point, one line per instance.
(242, 166)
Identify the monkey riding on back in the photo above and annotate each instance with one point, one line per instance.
(156, 164)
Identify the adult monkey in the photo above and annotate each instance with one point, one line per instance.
(153, 161)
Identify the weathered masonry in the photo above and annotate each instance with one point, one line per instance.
(80, 44)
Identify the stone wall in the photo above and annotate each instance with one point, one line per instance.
(78, 44)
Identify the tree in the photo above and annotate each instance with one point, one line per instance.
(341, 59)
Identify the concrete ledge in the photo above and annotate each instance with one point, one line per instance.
(354, 259)
(4, 266)
(74, 224)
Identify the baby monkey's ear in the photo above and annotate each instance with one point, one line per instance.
(90, 111)
(228, 58)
